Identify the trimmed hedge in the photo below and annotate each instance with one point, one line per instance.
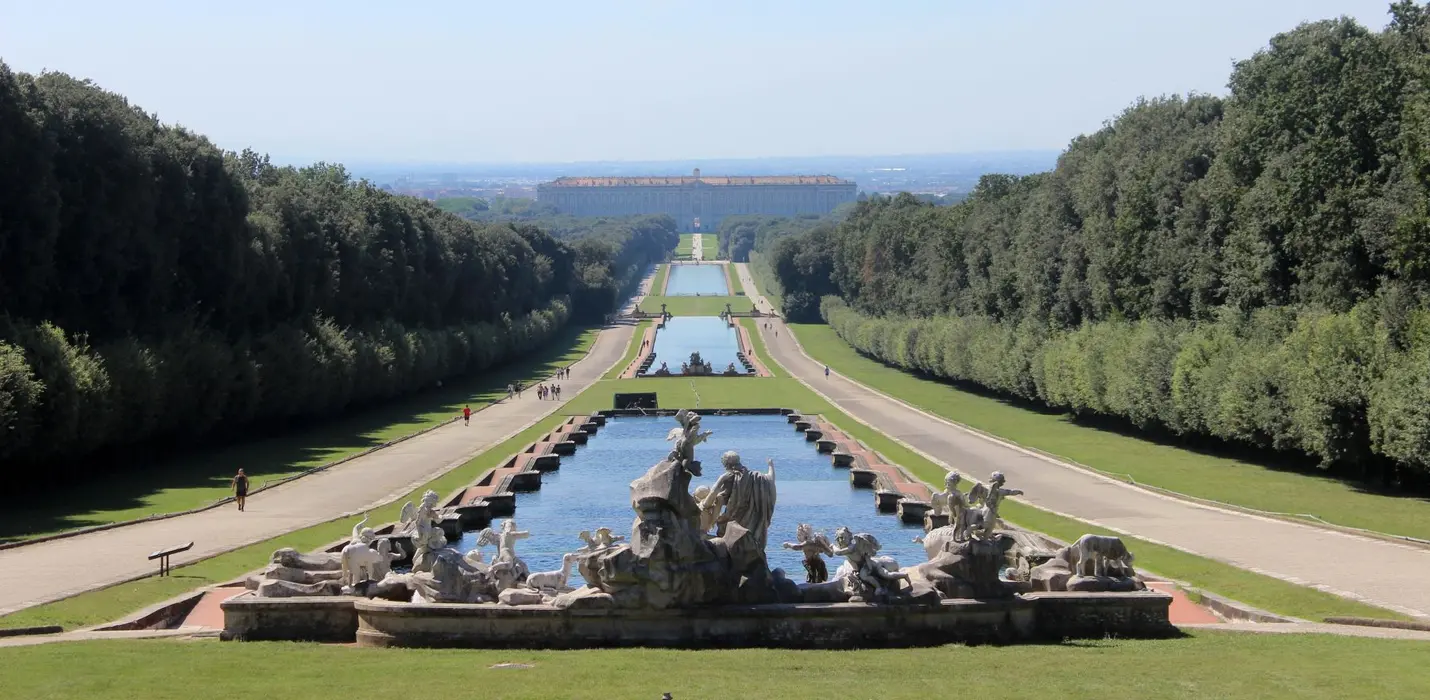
(1329, 385)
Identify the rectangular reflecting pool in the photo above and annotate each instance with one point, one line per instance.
(702, 280)
(711, 336)
(592, 489)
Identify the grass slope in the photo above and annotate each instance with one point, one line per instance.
(109, 604)
(710, 245)
(687, 241)
(657, 285)
(1224, 665)
(696, 306)
(1219, 478)
(135, 490)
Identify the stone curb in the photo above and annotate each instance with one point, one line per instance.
(1371, 622)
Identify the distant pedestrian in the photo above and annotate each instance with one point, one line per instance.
(240, 488)
(826, 371)
(467, 414)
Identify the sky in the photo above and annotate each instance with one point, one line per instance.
(447, 81)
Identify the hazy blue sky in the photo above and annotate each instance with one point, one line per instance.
(447, 80)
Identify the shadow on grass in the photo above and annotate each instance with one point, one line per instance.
(1297, 463)
(157, 474)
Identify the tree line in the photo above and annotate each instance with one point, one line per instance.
(156, 288)
(1250, 269)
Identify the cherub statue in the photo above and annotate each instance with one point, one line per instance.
(709, 512)
(506, 547)
(589, 543)
(871, 579)
(951, 502)
(986, 499)
(424, 526)
(815, 546)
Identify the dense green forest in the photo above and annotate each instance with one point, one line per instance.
(1251, 269)
(154, 287)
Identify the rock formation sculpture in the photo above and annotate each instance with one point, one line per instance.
(670, 561)
(1094, 563)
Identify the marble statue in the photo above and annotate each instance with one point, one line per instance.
(1092, 564)
(291, 574)
(670, 560)
(423, 525)
(708, 513)
(843, 540)
(366, 558)
(747, 503)
(604, 538)
(554, 581)
(871, 581)
(696, 366)
(814, 546)
(983, 520)
(951, 502)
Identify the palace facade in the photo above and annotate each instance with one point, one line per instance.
(697, 203)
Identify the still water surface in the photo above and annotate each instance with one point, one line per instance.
(592, 489)
(710, 335)
(705, 280)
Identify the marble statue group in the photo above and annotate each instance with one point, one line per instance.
(706, 547)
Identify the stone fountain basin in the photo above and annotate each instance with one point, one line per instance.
(1031, 617)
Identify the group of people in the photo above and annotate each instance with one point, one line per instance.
(548, 391)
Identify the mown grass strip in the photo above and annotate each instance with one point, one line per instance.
(1230, 480)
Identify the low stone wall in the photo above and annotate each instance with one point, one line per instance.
(310, 619)
(1044, 617)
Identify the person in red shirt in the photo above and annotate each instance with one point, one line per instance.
(467, 414)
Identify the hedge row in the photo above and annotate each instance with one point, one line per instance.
(61, 398)
(1344, 387)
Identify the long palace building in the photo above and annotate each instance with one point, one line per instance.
(697, 203)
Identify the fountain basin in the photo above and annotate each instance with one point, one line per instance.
(1032, 617)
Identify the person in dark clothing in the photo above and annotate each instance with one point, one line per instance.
(240, 488)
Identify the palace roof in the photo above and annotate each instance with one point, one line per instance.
(715, 180)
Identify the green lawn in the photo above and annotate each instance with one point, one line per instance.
(687, 240)
(1226, 479)
(112, 603)
(657, 285)
(138, 488)
(710, 244)
(732, 280)
(696, 306)
(1223, 665)
(631, 350)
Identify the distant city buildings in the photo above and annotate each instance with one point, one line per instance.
(696, 202)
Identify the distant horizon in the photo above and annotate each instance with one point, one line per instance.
(564, 82)
(398, 163)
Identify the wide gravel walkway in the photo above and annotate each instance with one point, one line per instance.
(1391, 575)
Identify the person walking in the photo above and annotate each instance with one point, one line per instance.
(826, 371)
(467, 415)
(240, 488)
